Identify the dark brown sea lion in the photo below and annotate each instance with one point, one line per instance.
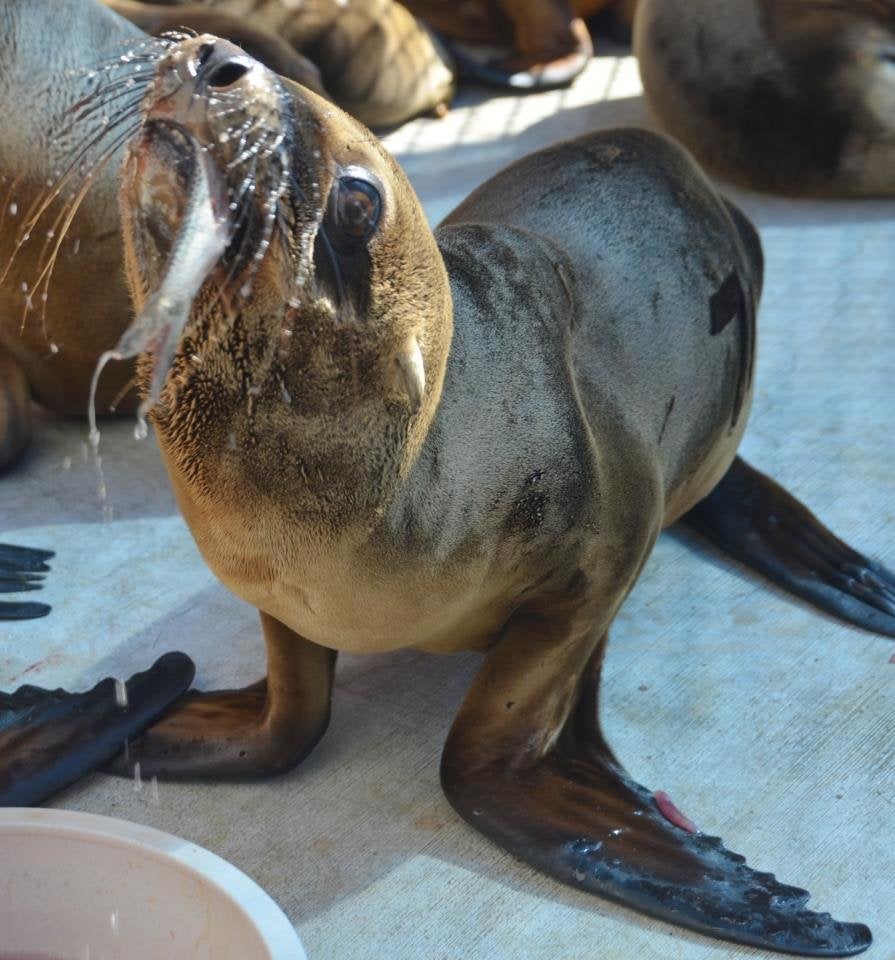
(386, 438)
(376, 60)
(790, 96)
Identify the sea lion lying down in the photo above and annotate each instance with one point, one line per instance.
(791, 96)
(383, 437)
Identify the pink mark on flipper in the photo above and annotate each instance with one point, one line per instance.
(672, 814)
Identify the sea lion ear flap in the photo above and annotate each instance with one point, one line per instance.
(410, 373)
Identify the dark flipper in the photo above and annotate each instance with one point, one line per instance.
(23, 611)
(566, 806)
(20, 572)
(520, 74)
(24, 559)
(534, 66)
(763, 526)
(50, 738)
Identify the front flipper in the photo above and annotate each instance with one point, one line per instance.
(553, 48)
(50, 738)
(564, 804)
(758, 522)
(262, 730)
(21, 570)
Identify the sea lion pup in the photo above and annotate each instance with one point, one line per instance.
(385, 438)
(376, 60)
(63, 299)
(789, 96)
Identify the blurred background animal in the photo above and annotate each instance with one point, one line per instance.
(788, 96)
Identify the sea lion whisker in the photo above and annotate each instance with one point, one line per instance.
(107, 101)
(65, 218)
(44, 200)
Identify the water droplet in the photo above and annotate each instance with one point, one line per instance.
(24, 287)
(54, 348)
(154, 788)
(113, 922)
(246, 289)
(141, 429)
(579, 875)
(66, 463)
(476, 813)
(51, 234)
(120, 693)
(93, 438)
(138, 779)
(76, 246)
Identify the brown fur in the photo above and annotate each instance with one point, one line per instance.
(791, 96)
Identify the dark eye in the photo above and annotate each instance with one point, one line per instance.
(355, 207)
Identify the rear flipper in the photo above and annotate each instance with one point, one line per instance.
(758, 522)
(50, 738)
(21, 570)
(565, 805)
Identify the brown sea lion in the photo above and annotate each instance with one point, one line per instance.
(63, 299)
(550, 39)
(386, 438)
(790, 96)
(376, 60)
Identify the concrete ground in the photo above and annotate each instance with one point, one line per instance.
(769, 724)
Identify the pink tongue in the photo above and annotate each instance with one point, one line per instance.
(671, 812)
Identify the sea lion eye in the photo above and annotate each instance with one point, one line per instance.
(356, 207)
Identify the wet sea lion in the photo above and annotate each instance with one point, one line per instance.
(376, 60)
(390, 438)
(63, 299)
(789, 96)
(386, 438)
(52, 333)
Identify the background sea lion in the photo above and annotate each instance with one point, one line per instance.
(51, 333)
(376, 60)
(791, 96)
(550, 39)
(397, 440)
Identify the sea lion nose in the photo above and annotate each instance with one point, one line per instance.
(218, 63)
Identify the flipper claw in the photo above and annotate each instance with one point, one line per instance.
(20, 572)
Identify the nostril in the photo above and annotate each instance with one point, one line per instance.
(227, 73)
(205, 51)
